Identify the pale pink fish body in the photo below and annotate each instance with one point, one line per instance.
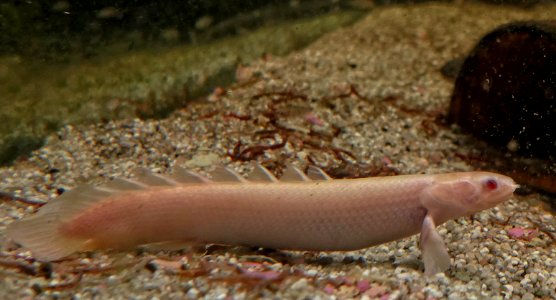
(299, 214)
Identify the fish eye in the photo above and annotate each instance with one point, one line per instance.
(490, 184)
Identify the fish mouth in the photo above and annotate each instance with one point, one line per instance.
(510, 184)
(505, 193)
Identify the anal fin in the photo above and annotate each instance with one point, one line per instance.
(433, 249)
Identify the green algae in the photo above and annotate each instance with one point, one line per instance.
(36, 99)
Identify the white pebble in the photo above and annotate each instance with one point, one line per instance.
(475, 234)
(299, 285)
(193, 293)
(311, 272)
(528, 296)
(432, 291)
(533, 277)
(507, 290)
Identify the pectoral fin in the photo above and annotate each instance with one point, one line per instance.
(433, 250)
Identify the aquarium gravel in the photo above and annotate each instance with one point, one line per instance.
(360, 101)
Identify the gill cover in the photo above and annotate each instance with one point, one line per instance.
(450, 199)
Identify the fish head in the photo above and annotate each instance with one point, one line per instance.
(460, 194)
(492, 189)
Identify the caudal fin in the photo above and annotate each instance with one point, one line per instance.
(40, 234)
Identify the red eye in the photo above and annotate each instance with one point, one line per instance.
(490, 184)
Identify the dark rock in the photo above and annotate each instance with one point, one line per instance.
(451, 68)
(505, 91)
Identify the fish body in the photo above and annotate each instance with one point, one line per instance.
(295, 213)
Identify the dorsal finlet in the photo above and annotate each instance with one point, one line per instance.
(121, 184)
(224, 174)
(261, 174)
(149, 178)
(185, 176)
(316, 173)
(77, 199)
(293, 173)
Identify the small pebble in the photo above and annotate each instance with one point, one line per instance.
(300, 284)
(396, 75)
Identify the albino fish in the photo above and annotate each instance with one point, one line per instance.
(298, 212)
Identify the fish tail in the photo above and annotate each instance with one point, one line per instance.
(41, 234)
